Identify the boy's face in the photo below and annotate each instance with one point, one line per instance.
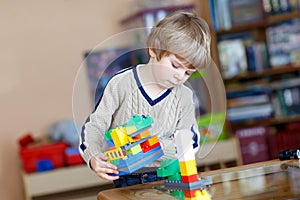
(170, 71)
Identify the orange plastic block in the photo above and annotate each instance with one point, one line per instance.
(188, 168)
(190, 193)
(153, 140)
(189, 179)
(145, 133)
(141, 135)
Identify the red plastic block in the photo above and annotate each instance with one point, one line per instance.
(145, 146)
(25, 140)
(189, 179)
(55, 152)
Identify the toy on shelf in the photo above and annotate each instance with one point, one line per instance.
(182, 174)
(40, 158)
(42, 154)
(131, 145)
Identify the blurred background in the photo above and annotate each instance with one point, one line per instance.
(46, 54)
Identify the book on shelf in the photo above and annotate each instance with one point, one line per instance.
(282, 41)
(249, 112)
(232, 57)
(253, 144)
(251, 103)
(248, 100)
(277, 7)
(227, 13)
(287, 102)
(257, 56)
(286, 83)
(287, 137)
(246, 11)
(250, 91)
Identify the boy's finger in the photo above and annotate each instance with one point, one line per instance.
(107, 177)
(103, 156)
(111, 166)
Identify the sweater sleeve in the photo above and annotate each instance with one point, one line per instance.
(92, 133)
(187, 119)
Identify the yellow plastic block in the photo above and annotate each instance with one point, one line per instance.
(130, 129)
(188, 168)
(134, 150)
(202, 195)
(119, 137)
(115, 154)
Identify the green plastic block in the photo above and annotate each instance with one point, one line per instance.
(168, 167)
(107, 135)
(178, 194)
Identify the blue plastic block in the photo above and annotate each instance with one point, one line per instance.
(72, 151)
(44, 165)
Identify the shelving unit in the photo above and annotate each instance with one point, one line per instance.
(267, 77)
(60, 181)
(67, 182)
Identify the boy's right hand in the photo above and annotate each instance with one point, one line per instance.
(102, 167)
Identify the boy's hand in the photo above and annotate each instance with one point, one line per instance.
(102, 167)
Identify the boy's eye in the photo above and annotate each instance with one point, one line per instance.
(188, 73)
(175, 66)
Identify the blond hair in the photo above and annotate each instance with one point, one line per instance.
(183, 34)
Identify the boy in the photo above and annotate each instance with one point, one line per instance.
(178, 46)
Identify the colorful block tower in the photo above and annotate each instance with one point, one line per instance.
(131, 145)
(193, 188)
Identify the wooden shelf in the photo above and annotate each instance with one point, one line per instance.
(267, 121)
(260, 24)
(242, 28)
(60, 180)
(282, 17)
(267, 72)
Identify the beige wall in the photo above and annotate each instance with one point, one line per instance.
(41, 45)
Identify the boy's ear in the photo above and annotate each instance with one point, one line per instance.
(151, 53)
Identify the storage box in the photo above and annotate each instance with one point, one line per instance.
(32, 156)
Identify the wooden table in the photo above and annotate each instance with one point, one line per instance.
(266, 180)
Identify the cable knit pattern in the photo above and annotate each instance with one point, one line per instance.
(122, 98)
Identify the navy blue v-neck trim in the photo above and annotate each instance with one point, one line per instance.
(144, 93)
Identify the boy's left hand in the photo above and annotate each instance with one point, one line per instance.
(103, 168)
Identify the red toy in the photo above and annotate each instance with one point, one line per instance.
(32, 156)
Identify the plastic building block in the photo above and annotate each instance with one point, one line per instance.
(55, 152)
(44, 165)
(169, 168)
(116, 154)
(134, 150)
(188, 168)
(119, 136)
(178, 185)
(191, 178)
(193, 188)
(132, 146)
(73, 156)
(133, 163)
(146, 147)
(26, 140)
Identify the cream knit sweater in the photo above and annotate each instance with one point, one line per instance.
(124, 96)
